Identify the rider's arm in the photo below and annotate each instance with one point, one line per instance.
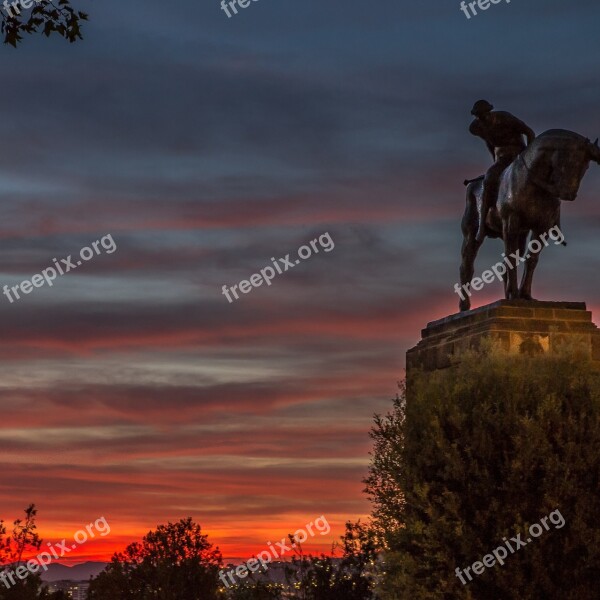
(526, 131)
(529, 133)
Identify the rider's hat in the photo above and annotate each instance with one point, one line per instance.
(480, 107)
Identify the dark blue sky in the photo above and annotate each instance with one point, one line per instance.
(205, 146)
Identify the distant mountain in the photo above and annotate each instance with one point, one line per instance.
(82, 572)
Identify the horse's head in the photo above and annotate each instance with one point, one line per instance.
(559, 159)
(594, 151)
(576, 166)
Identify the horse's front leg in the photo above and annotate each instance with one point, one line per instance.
(511, 247)
(533, 255)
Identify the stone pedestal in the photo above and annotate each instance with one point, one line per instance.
(515, 325)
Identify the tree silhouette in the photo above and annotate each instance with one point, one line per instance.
(22, 540)
(175, 562)
(46, 17)
(480, 452)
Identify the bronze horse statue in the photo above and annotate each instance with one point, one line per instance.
(549, 170)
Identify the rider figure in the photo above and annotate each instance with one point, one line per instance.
(503, 134)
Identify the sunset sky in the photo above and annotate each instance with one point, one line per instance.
(131, 388)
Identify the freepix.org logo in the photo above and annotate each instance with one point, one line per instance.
(498, 555)
(282, 265)
(230, 5)
(48, 275)
(265, 557)
(9, 577)
(9, 7)
(500, 269)
(481, 4)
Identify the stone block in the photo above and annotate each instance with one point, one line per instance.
(518, 326)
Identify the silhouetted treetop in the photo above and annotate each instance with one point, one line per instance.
(40, 16)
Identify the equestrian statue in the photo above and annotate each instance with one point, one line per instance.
(519, 197)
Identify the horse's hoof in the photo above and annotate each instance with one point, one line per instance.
(526, 297)
(464, 305)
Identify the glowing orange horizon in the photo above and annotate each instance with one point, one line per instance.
(254, 540)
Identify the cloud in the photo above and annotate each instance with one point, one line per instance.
(206, 146)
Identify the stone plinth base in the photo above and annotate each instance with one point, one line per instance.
(515, 325)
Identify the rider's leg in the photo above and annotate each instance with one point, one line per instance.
(491, 184)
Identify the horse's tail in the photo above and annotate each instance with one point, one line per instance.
(468, 181)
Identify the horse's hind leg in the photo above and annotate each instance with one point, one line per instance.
(511, 247)
(469, 251)
(470, 245)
